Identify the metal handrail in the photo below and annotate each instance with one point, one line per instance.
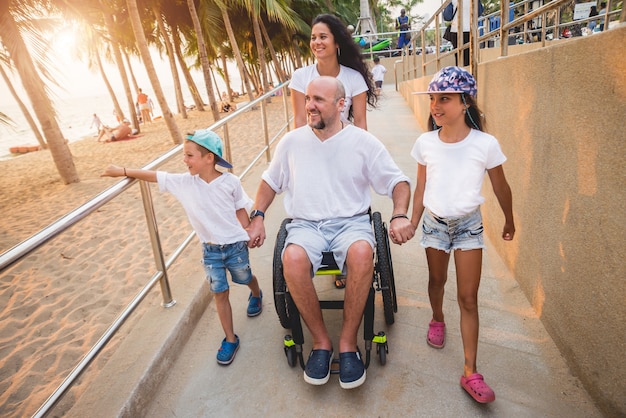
(26, 247)
(411, 71)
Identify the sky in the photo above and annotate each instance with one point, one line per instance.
(79, 81)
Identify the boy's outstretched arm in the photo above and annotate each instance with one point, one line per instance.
(505, 198)
(117, 171)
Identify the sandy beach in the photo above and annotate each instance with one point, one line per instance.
(59, 301)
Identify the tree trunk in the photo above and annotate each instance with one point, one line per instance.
(204, 60)
(135, 21)
(116, 103)
(229, 89)
(132, 110)
(273, 54)
(233, 43)
(24, 109)
(130, 71)
(261, 53)
(180, 102)
(193, 89)
(35, 89)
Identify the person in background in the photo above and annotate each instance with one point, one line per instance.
(452, 159)
(336, 55)
(402, 24)
(601, 14)
(96, 123)
(118, 133)
(378, 73)
(216, 206)
(144, 107)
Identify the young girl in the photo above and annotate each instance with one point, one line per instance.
(451, 162)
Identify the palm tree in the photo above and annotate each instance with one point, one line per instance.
(20, 55)
(135, 21)
(204, 60)
(24, 109)
(172, 60)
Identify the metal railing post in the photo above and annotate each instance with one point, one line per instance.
(157, 251)
(266, 136)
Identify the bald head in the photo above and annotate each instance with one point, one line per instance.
(328, 85)
(324, 101)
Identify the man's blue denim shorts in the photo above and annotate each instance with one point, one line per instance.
(449, 234)
(219, 258)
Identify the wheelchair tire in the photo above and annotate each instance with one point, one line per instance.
(280, 287)
(383, 269)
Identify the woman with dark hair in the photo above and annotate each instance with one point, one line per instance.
(337, 55)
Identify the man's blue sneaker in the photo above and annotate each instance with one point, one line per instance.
(255, 305)
(226, 353)
(317, 370)
(351, 370)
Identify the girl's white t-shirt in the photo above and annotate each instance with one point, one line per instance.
(455, 172)
(352, 81)
(210, 207)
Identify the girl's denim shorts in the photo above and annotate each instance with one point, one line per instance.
(448, 234)
(219, 258)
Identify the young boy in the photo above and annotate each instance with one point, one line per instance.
(378, 74)
(216, 205)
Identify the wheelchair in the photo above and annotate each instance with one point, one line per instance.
(382, 281)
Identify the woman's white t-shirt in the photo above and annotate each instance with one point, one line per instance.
(455, 172)
(352, 81)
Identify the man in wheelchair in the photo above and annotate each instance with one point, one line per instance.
(326, 169)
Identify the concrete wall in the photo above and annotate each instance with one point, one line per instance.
(559, 114)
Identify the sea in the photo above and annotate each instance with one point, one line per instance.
(75, 117)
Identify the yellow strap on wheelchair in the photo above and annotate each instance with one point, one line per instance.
(289, 342)
(328, 272)
(379, 339)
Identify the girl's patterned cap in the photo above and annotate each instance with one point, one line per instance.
(452, 80)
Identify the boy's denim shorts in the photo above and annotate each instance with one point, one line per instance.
(448, 234)
(336, 235)
(219, 258)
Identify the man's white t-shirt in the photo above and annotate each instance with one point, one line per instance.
(352, 81)
(455, 172)
(332, 178)
(210, 207)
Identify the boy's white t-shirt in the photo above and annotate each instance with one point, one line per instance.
(352, 81)
(378, 72)
(333, 178)
(455, 172)
(210, 207)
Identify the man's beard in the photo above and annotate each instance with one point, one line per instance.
(319, 125)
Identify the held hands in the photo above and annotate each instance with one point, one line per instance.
(401, 230)
(256, 232)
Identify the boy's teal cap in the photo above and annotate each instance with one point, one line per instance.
(211, 141)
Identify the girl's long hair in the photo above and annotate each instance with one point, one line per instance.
(349, 53)
(473, 116)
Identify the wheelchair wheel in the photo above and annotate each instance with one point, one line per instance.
(383, 269)
(280, 287)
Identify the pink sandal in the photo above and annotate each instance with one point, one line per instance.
(477, 388)
(436, 334)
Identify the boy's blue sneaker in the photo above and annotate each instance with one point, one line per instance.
(351, 370)
(255, 305)
(226, 353)
(317, 370)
